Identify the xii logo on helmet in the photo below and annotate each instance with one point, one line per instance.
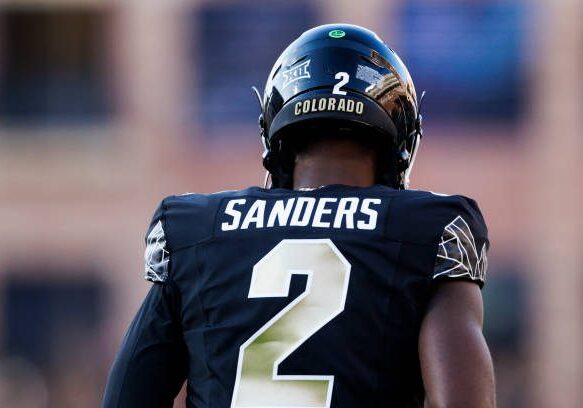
(328, 104)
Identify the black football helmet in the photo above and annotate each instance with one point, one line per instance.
(340, 77)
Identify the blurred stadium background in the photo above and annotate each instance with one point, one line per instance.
(107, 106)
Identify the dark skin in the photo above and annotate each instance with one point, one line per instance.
(334, 162)
(455, 361)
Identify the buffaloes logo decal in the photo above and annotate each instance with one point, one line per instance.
(296, 73)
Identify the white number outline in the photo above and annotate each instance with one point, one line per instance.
(344, 78)
(288, 308)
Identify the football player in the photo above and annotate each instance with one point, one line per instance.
(337, 286)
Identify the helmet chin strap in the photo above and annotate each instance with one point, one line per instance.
(416, 142)
(258, 94)
(406, 178)
(267, 180)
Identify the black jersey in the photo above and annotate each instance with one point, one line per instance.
(282, 298)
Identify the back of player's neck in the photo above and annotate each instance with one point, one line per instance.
(314, 172)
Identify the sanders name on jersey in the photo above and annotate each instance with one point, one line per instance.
(321, 212)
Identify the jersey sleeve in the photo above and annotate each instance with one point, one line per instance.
(463, 246)
(152, 362)
(157, 254)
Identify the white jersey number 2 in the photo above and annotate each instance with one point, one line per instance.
(258, 383)
(344, 78)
